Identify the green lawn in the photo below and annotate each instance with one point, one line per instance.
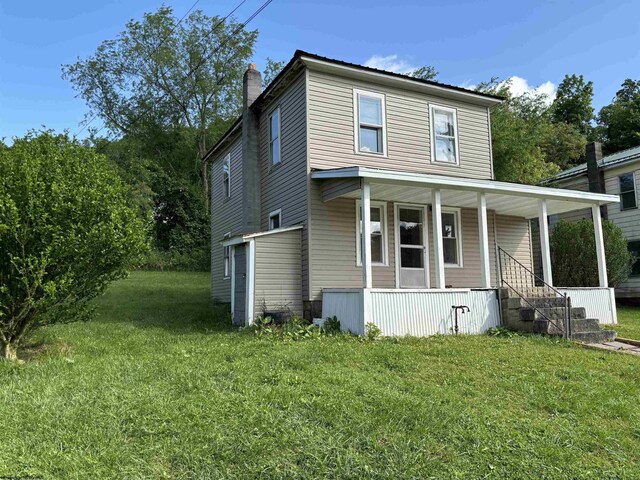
(628, 322)
(159, 386)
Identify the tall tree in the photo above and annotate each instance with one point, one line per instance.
(425, 72)
(573, 104)
(619, 122)
(271, 71)
(157, 74)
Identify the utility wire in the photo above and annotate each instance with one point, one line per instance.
(95, 115)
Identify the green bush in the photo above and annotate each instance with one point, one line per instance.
(574, 259)
(66, 232)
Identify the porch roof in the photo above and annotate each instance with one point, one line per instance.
(503, 197)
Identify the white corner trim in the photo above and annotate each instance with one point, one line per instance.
(251, 281)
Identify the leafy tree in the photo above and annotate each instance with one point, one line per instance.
(66, 231)
(573, 104)
(573, 254)
(619, 122)
(158, 75)
(271, 71)
(425, 73)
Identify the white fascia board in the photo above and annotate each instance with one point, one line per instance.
(406, 83)
(469, 184)
(245, 238)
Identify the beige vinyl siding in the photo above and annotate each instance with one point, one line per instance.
(331, 130)
(278, 272)
(627, 220)
(226, 216)
(513, 235)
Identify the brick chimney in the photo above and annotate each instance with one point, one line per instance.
(596, 179)
(251, 90)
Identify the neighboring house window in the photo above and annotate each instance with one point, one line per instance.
(627, 191)
(371, 134)
(451, 237)
(444, 134)
(275, 219)
(634, 248)
(226, 176)
(378, 227)
(227, 258)
(274, 137)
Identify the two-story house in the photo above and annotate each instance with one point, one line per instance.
(349, 191)
(616, 174)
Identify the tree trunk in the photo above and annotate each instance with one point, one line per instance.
(8, 351)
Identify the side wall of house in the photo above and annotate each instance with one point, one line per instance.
(332, 129)
(226, 217)
(278, 273)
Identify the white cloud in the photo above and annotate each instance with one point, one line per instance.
(391, 63)
(519, 86)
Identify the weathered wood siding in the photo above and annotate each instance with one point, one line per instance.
(331, 130)
(226, 216)
(278, 272)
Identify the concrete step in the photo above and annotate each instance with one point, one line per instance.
(538, 302)
(581, 325)
(529, 314)
(594, 337)
(533, 292)
(548, 328)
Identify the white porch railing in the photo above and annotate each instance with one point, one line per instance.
(599, 302)
(399, 312)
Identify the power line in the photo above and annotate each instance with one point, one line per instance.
(95, 115)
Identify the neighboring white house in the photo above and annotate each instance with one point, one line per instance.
(349, 191)
(616, 174)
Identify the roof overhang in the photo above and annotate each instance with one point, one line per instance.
(503, 197)
(238, 239)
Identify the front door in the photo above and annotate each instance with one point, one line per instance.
(412, 247)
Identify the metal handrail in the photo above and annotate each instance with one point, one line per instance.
(566, 328)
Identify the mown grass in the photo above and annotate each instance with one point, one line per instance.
(628, 322)
(159, 386)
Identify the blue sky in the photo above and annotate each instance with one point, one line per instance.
(467, 42)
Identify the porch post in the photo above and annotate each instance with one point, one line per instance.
(484, 240)
(366, 235)
(438, 249)
(544, 242)
(602, 262)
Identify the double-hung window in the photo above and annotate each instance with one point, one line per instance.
(444, 135)
(227, 258)
(378, 229)
(451, 240)
(634, 248)
(274, 137)
(226, 176)
(627, 191)
(371, 136)
(275, 219)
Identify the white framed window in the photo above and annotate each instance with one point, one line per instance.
(370, 122)
(275, 219)
(274, 137)
(444, 135)
(451, 237)
(227, 258)
(378, 227)
(226, 176)
(628, 198)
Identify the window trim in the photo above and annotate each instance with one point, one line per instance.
(226, 266)
(385, 235)
(456, 136)
(458, 218)
(275, 213)
(226, 160)
(270, 144)
(635, 192)
(357, 92)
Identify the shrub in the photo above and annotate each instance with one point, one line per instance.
(574, 257)
(331, 325)
(66, 231)
(372, 331)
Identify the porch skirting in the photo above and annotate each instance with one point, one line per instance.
(420, 312)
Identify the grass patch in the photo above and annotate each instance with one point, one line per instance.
(628, 322)
(159, 386)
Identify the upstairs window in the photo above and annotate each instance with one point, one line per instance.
(451, 240)
(627, 191)
(226, 176)
(371, 134)
(274, 137)
(275, 219)
(444, 135)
